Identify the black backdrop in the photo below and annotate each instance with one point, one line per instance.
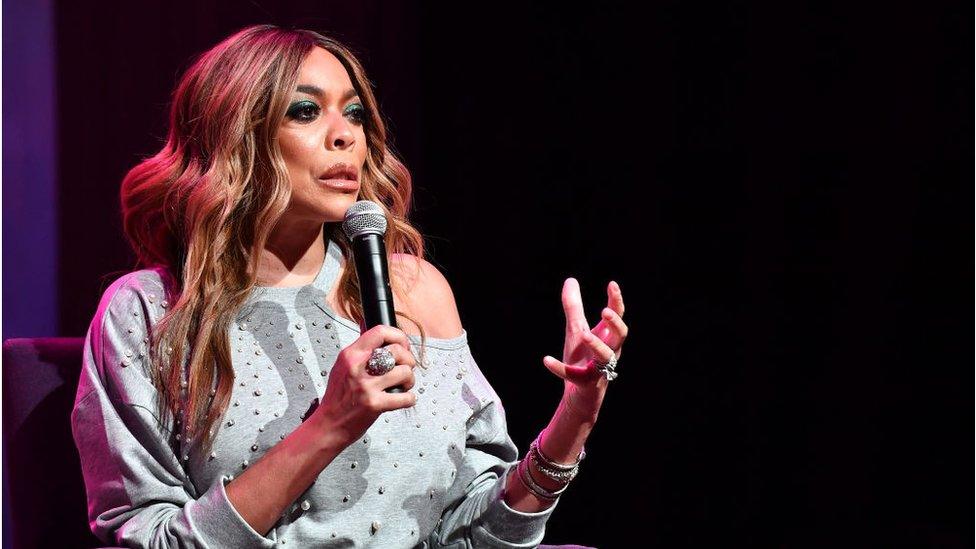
(782, 191)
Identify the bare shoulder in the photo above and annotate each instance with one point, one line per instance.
(425, 294)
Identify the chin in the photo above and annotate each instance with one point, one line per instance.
(335, 210)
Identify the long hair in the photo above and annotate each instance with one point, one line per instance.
(200, 211)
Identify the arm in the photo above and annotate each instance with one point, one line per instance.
(584, 386)
(562, 441)
(139, 494)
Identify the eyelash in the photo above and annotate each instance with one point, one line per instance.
(294, 112)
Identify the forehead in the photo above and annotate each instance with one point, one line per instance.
(321, 68)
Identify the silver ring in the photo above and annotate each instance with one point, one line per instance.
(380, 362)
(609, 368)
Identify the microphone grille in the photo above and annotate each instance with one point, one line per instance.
(364, 217)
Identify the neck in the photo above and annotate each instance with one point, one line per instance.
(292, 256)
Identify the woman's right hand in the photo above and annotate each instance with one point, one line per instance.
(353, 398)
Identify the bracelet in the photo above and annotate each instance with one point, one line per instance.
(522, 470)
(557, 472)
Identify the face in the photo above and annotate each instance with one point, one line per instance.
(322, 132)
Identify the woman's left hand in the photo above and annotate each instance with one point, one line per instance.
(585, 386)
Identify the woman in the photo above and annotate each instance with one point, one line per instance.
(229, 397)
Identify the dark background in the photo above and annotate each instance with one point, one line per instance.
(783, 191)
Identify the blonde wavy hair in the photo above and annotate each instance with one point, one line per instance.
(203, 207)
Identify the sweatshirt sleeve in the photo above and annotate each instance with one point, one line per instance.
(476, 514)
(139, 494)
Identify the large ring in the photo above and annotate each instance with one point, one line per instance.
(380, 362)
(609, 368)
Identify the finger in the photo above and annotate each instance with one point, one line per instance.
(573, 306)
(403, 355)
(601, 351)
(401, 374)
(612, 329)
(395, 401)
(379, 336)
(565, 371)
(615, 298)
(389, 337)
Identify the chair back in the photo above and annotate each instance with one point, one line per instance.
(47, 506)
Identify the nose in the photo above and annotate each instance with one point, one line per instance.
(340, 135)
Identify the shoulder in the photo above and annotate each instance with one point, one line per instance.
(427, 295)
(129, 309)
(145, 289)
(117, 343)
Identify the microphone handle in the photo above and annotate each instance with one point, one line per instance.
(376, 295)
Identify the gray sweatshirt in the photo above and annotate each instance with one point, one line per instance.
(428, 476)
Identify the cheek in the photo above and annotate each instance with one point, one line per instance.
(298, 151)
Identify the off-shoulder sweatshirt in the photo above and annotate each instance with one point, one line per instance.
(432, 475)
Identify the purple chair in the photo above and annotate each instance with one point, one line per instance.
(47, 505)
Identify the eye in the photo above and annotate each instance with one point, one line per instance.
(303, 111)
(358, 113)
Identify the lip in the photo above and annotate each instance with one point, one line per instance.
(341, 170)
(341, 176)
(341, 184)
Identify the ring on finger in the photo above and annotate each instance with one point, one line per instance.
(380, 362)
(608, 368)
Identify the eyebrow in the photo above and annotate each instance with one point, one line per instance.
(317, 91)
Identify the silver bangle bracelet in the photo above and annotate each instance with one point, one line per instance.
(557, 472)
(556, 475)
(552, 464)
(522, 470)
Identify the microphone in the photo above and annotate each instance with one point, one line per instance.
(365, 225)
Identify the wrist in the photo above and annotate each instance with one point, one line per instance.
(322, 436)
(577, 409)
(563, 439)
